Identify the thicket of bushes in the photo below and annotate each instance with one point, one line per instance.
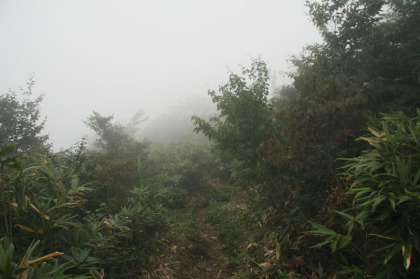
(84, 213)
(331, 216)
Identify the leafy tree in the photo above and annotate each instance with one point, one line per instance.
(20, 120)
(245, 114)
(113, 136)
(114, 166)
(132, 128)
(368, 64)
(374, 44)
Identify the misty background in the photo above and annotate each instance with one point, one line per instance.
(160, 57)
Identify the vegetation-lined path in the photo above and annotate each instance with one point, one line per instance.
(309, 201)
(193, 247)
(209, 257)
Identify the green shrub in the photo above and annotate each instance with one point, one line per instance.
(386, 196)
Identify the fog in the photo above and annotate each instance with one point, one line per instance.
(118, 57)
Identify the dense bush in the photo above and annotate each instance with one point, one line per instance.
(385, 186)
(49, 204)
(368, 64)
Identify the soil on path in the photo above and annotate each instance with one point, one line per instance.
(202, 258)
(210, 259)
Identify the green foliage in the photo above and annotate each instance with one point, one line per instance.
(28, 267)
(10, 168)
(6, 256)
(110, 210)
(367, 64)
(47, 201)
(245, 115)
(336, 240)
(80, 259)
(49, 206)
(117, 138)
(374, 44)
(112, 179)
(183, 167)
(20, 121)
(386, 189)
(229, 227)
(132, 127)
(343, 23)
(386, 195)
(111, 135)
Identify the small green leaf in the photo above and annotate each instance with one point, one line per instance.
(416, 179)
(394, 250)
(392, 203)
(327, 241)
(321, 230)
(377, 201)
(345, 215)
(407, 251)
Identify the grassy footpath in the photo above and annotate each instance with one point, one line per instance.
(207, 236)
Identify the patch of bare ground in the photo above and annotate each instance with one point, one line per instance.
(195, 255)
(210, 259)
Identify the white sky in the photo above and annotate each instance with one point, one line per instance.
(119, 56)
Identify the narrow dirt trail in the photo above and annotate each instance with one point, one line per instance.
(209, 257)
(193, 251)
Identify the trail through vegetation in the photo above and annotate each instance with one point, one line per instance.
(320, 181)
(209, 257)
(194, 249)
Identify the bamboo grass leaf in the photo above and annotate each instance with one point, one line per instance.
(28, 229)
(392, 202)
(394, 251)
(377, 202)
(407, 252)
(321, 230)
